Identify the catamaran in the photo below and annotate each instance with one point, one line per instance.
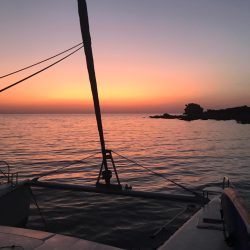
(221, 223)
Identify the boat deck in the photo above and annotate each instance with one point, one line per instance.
(27, 239)
(196, 234)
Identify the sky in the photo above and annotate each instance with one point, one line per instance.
(151, 56)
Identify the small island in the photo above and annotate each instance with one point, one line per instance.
(194, 111)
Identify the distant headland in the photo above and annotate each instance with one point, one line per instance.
(194, 111)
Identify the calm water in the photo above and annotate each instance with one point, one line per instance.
(193, 154)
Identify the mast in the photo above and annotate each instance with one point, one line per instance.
(106, 154)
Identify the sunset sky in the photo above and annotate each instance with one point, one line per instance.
(150, 55)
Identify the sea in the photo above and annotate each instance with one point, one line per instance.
(194, 154)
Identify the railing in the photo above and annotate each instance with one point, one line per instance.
(226, 182)
(215, 190)
(6, 176)
(236, 220)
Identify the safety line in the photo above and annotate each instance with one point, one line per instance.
(158, 174)
(22, 80)
(55, 171)
(27, 67)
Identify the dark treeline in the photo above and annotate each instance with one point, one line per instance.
(194, 111)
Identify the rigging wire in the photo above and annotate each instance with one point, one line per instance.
(30, 66)
(158, 174)
(169, 222)
(72, 163)
(22, 80)
(39, 209)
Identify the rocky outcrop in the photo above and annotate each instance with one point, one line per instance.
(239, 114)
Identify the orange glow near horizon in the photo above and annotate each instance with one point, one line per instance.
(143, 64)
(138, 92)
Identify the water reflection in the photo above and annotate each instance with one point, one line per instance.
(191, 153)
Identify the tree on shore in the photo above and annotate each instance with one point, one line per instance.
(193, 110)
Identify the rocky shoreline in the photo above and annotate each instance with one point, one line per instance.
(195, 112)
